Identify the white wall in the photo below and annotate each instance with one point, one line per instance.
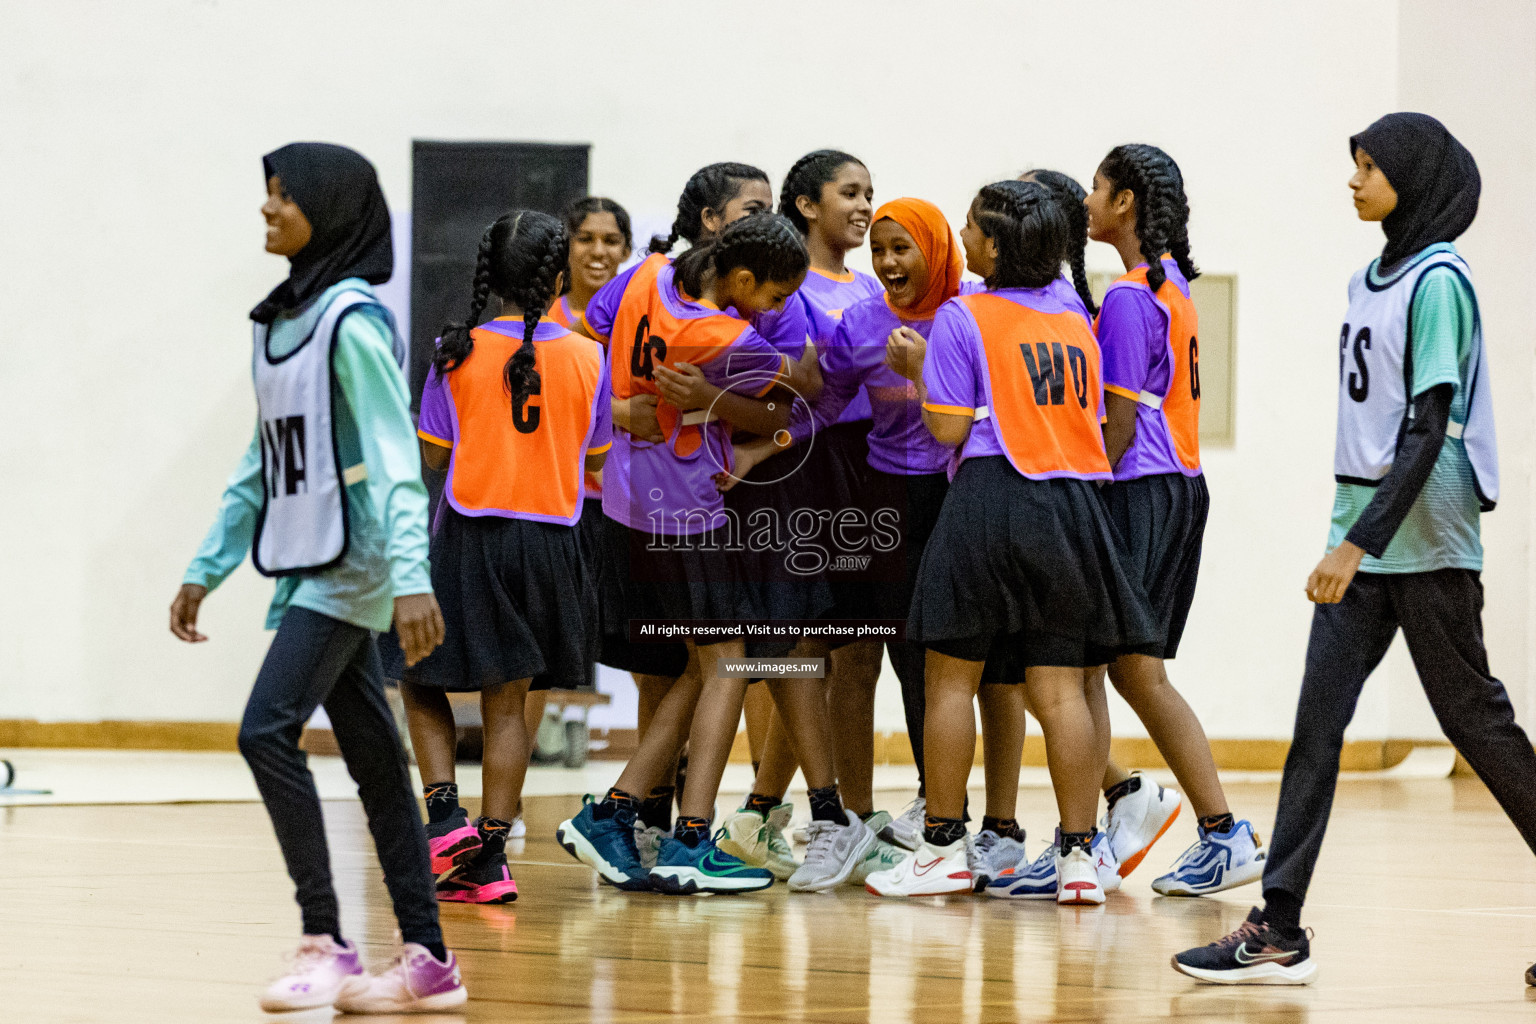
(131, 184)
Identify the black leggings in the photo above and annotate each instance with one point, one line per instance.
(1441, 616)
(317, 660)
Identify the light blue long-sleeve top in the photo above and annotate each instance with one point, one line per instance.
(387, 513)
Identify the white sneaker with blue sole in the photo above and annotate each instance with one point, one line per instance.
(1219, 861)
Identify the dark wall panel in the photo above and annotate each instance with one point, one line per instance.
(458, 188)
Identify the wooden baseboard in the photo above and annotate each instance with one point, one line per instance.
(619, 744)
(20, 732)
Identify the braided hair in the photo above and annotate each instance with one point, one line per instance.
(1162, 209)
(807, 177)
(520, 258)
(764, 243)
(1065, 191)
(1030, 230)
(710, 188)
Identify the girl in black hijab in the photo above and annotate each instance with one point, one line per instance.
(329, 498)
(1415, 464)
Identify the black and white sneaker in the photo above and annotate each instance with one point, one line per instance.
(1255, 954)
(1530, 975)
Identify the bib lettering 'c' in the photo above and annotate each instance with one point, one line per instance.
(1043, 388)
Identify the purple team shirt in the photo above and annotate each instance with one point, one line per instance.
(853, 363)
(1133, 344)
(439, 416)
(651, 487)
(828, 298)
(955, 371)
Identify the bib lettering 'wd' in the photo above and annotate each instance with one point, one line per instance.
(1043, 387)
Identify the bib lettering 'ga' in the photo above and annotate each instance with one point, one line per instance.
(1180, 407)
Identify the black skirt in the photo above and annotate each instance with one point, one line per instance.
(1161, 520)
(1034, 562)
(518, 603)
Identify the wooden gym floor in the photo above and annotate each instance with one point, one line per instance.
(1424, 909)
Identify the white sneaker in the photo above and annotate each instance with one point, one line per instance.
(907, 830)
(927, 871)
(834, 852)
(320, 972)
(648, 843)
(745, 837)
(1078, 879)
(992, 856)
(1040, 880)
(781, 858)
(1220, 860)
(417, 982)
(1139, 819)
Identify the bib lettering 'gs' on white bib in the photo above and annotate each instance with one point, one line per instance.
(1376, 378)
(302, 525)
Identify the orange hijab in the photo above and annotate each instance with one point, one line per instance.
(928, 228)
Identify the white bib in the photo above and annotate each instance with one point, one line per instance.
(302, 524)
(1376, 379)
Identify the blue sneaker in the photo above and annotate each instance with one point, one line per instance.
(1220, 860)
(605, 845)
(1038, 881)
(682, 870)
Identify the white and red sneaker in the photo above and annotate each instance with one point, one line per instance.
(417, 982)
(1077, 879)
(927, 871)
(320, 973)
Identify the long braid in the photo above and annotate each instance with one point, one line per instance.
(1065, 191)
(1162, 208)
(543, 247)
(455, 344)
(710, 188)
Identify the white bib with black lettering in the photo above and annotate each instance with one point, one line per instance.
(302, 524)
(1376, 380)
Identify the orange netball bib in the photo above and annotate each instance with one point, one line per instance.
(527, 459)
(648, 332)
(1180, 407)
(1042, 374)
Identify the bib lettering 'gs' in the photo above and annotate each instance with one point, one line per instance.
(1180, 407)
(647, 334)
(1376, 378)
(302, 524)
(1043, 388)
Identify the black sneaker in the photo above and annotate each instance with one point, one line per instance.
(1530, 975)
(482, 880)
(1255, 954)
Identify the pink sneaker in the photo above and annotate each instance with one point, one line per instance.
(452, 843)
(415, 983)
(476, 882)
(320, 974)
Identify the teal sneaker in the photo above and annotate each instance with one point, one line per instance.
(881, 855)
(683, 870)
(606, 845)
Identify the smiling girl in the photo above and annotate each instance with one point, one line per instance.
(1415, 465)
(328, 498)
